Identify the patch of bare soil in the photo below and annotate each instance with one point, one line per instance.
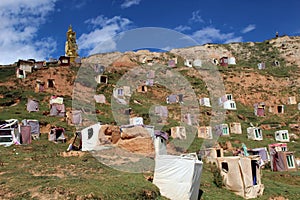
(72, 153)
(277, 198)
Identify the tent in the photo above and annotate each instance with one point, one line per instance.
(26, 65)
(89, 137)
(100, 98)
(149, 82)
(204, 102)
(229, 105)
(25, 134)
(76, 117)
(121, 92)
(171, 63)
(281, 159)
(178, 132)
(40, 86)
(261, 66)
(20, 73)
(205, 132)
(160, 142)
(57, 107)
(35, 127)
(282, 136)
(254, 133)
(259, 109)
(262, 152)
(211, 154)
(224, 61)
(222, 130)
(161, 111)
(178, 177)
(231, 61)
(241, 175)
(32, 105)
(227, 102)
(101, 79)
(187, 118)
(235, 127)
(197, 63)
(57, 135)
(292, 100)
(57, 110)
(142, 89)
(188, 63)
(172, 99)
(276, 109)
(9, 132)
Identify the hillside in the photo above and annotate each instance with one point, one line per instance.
(44, 170)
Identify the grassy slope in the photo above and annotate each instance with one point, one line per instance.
(39, 169)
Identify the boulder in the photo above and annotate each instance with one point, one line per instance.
(112, 131)
(133, 132)
(139, 145)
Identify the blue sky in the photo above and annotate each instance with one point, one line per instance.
(37, 28)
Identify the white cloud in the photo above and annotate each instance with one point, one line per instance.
(249, 28)
(213, 35)
(101, 39)
(20, 21)
(129, 3)
(182, 28)
(235, 39)
(196, 17)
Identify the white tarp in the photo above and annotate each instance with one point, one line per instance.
(231, 61)
(229, 105)
(89, 137)
(204, 102)
(178, 177)
(56, 100)
(9, 132)
(136, 121)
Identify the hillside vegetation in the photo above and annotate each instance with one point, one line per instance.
(44, 170)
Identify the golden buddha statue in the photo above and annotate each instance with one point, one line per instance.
(71, 46)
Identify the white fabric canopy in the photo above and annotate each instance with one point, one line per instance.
(178, 177)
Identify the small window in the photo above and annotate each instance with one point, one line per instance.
(103, 79)
(5, 132)
(232, 105)
(280, 109)
(290, 161)
(218, 153)
(254, 171)
(65, 61)
(90, 133)
(50, 83)
(225, 131)
(120, 91)
(6, 139)
(284, 136)
(257, 133)
(283, 149)
(224, 166)
(229, 97)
